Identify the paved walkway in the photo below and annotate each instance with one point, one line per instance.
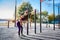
(11, 34)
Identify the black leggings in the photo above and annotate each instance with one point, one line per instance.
(20, 29)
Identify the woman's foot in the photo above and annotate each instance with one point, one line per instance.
(19, 33)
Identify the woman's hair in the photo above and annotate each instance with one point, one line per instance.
(25, 17)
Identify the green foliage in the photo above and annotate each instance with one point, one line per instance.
(32, 17)
(51, 17)
(44, 13)
(44, 16)
(24, 6)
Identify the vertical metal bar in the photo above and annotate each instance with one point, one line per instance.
(27, 29)
(8, 23)
(40, 18)
(28, 21)
(35, 20)
(54, 14)
(15, 11)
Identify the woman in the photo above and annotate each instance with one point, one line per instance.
(19, 25)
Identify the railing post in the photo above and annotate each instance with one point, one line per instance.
(8, 23)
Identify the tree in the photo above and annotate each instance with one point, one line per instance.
(32, 15)
(57, 17)
(44, 16)
(51, 18)
(45, 13)
(22, 9)
(24, 6)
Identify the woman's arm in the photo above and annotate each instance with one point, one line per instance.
(21, 22)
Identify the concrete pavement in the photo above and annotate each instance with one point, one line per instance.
(47, 34)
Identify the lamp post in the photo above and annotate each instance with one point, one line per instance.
(15, 11)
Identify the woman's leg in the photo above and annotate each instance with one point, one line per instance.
(18, 31)
(22, 30)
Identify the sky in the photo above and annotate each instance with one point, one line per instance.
(7, 7)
